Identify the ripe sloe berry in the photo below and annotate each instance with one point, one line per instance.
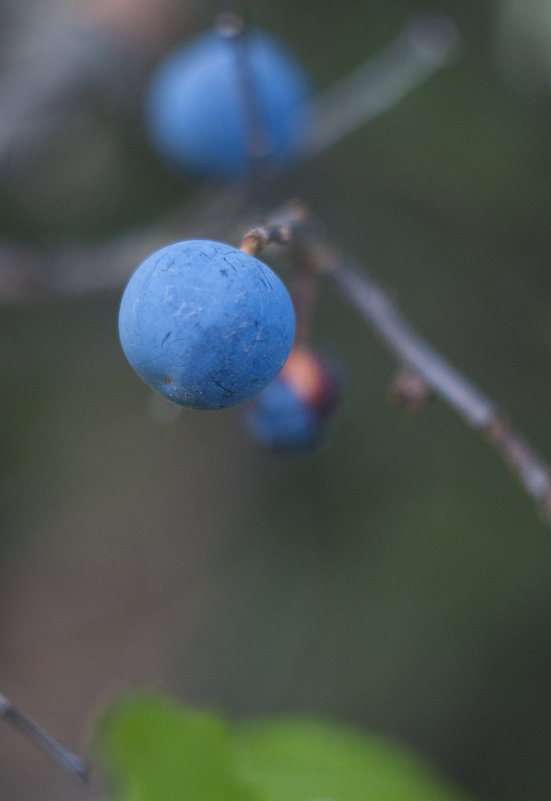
(220, 101)
(206, 325)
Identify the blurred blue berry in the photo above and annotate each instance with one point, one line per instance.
(290, 415)
(280, 420)
(219, 102)
(206, 325)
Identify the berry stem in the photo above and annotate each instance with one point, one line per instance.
(233, 12)
(304, 292)
(43, 740)
(305, 280)
(259, 237)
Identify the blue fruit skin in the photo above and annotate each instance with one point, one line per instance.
(208, 98)
(279, 419)
(206, 325)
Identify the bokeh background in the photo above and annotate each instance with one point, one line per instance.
(399, 579)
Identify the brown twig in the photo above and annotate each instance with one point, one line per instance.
(474, 407)
(26, 274)
(305, 281)
(43, 740)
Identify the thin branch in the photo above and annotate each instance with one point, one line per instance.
(404, 341)
(424, 46)
(43, 740)
(474, 407)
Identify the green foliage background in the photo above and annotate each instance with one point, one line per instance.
(400, 579)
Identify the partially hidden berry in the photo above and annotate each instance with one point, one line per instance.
(219, 104)
(290, 415)
(206, 325)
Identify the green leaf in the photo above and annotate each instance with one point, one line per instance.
(160, 751)
(294, 759)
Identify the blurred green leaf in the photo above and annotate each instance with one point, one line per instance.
(296, 759)
(159, 751)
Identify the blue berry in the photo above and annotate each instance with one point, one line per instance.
(289, 416)
(206, 325)
(279, 419)
(218, 98)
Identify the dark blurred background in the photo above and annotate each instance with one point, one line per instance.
(400, 578)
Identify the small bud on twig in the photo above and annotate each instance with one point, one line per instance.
(410, 392)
